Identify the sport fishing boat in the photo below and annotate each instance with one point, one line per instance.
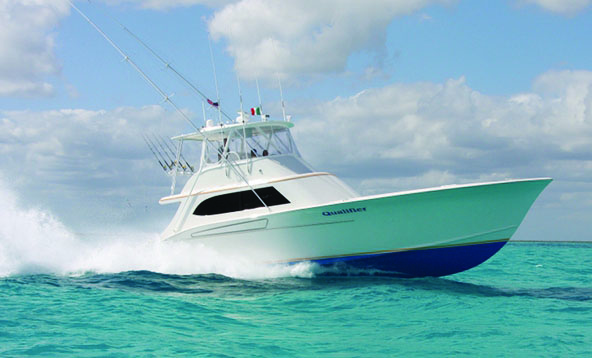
(254, 196)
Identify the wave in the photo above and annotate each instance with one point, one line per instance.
(32, 240)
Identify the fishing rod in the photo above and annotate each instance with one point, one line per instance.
(164, 167)
(180, 154)
(155, 139)
(168, 150)
(154, 149)
(162, 156)
(165, 97)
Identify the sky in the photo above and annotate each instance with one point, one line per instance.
(388, 95)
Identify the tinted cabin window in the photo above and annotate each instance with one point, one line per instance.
(239, 201)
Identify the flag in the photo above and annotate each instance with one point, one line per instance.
(215, 104)
(256, 111)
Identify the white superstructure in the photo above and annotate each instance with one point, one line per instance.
(247, 161)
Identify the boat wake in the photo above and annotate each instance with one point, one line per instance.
(34, 241)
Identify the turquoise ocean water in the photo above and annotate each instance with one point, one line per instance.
(531, 299)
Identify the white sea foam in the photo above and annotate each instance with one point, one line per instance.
(34, 241)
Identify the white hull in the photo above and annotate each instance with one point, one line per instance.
(425, 219)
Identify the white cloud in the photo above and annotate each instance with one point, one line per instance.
(304, 37)
(86, 165)
(567, 7)
(428, 179)
(63, 141)
(93, 165)
(411, 131)
(26, 45)
(410, 136)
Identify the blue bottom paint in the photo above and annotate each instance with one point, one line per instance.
(420, 263)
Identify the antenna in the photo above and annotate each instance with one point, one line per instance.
(203, 109)
(153, 150)
(166, 98)
(259, 95)
(215, 77)
(240, 96)
(280, 84)
(282, 97)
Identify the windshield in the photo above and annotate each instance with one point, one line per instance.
(253, 142)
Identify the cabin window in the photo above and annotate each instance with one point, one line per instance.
(213, 150)
(257, 140)
(242, 143)
(264, 141)
(238, 201)
(280, 142)
(236, 147)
